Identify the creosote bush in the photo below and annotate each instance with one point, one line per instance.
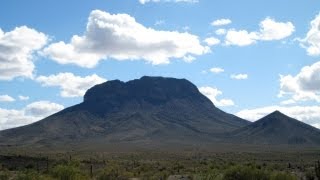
(4, 175)
(245, 173)
(31, 175)
(253, 173)
(69, 171)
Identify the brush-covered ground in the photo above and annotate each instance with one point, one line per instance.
(161, 165)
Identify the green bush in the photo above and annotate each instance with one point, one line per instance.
(245, 173)
(31, 175)
(4, 175)
(108, 175)
(112, 172)
(282, 176)
(253, 173)
(317, 169)
(68, 172)
(310, 174)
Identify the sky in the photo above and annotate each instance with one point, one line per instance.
(248, 57)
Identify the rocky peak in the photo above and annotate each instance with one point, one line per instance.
(154, 90)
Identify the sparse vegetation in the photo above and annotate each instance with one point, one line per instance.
(216, 166)
(4, 175)
(70, 171)
(317, 169)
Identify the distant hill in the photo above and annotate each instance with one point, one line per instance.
(277, 128)
(148, 111)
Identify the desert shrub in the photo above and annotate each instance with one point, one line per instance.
(109, 175)
(310, 174)
(111, 172)
(4, 175)
(317, 169)
(208, 176)
(282, 176)
(31, 175)
(245, 173)
(68, 172)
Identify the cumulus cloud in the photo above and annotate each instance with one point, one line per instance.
(272, 30)
(269, 30)
(176, 1)
(120, 37)
(312, 40)
(211, 41)
(188, 58)
(10, 118)
(240, 38)
(303, 86)
(239, 76)
(221, 31)
(23, 98)
(6, 98)
(216, 70)
(212, 94)
(221, 22)
(17, 49)
(70, 85)
(42, 108)
(288, 102)
(307, 114)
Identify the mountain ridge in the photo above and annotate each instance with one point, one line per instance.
(153, 109)
(153, 112)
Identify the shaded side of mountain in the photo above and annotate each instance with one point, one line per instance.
(277, 128)
(149, 109)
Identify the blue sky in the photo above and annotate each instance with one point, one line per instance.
(250, 58)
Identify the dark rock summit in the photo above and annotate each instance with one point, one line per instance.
(147, 92)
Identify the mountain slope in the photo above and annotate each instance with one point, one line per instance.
(277, 128)
(150, 109)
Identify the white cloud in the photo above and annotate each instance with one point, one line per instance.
(211, 41)
(70, 85)
(212, 94)
(159, 22)
(119, 36)
(217, 70)
(176, 1)
(307, 114)
(221, 22)
(239, 76)
(272, 30)
(240, 38)
(304, 86)
(188, 58)
(16, 51)
(10, 118)
(312, 40)
(23, 98)
(6, 98)
(221, 31)
(269, 30)
(42, 108)
(288, 102)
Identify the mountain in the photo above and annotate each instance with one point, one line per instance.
(149, 110)
(277, 128)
